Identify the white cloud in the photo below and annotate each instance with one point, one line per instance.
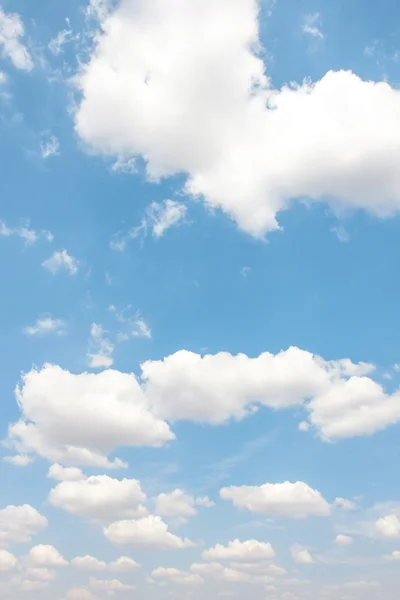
(100, 348)
(388, 527)
(204, 501)
(98, 9)
(311, 26)
(285, 500)
(63, 37)
(19, 460)
(50, 147)
(88, 563)
(61, 260)
(163, 215)
(134, 326)
(176, 576)
(81, 419)
(11, 32)
(250, 550)
(394, 556)
(346, 504)
(100, 497)
(216, 388)
(40, 573)
(301, 555)
(110, 585)
(45, 556)
(123, 564)
(45, 325)
(343, 540)
(19, 523)
(30, 236)
(61, 473)
(246, 147)
(141, 329)
(80, 594)
(8, 562)
(149, 533)
(226, 574)
(175, 504)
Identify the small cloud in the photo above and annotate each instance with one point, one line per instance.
(108, 278)
(312, 24)
(30, 236)
(19, 460)
(341, 233)
(244, 271)
(61, 260)
(135, 326)
(100, 348)
(11, 32)
(50, 147)
(122, 165)
(63, 37)
(141, 329)
(204, 501)
(343, 540)
(46, 325)
(301, 555)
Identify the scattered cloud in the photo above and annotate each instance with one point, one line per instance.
(61, 473)
(149, 533)
(284, 500)
(18, 524)
(109, 407)
(301, 555)
(175, 504)
(30, 236)
(8, 562)
(100, 348)
(45, 556)
(19, 460)
(46, 325)
(49, 147)
(11, 32)
(175, 576)
(248, 551)
(88, 563)
(312, 24)
(343, 540)
(110, 585)
(388, 527)
(61, 260)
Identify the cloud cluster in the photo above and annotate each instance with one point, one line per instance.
(151, 88)
(11, 32)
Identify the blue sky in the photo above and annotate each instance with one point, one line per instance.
(199, 309)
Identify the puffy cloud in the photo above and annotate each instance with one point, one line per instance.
(311, 26)
(100, 497)
(19, 523)
(8, 562)
(176, 576)
(123, 564)
(250, 550)
(204, 501)
(100, 348)
(11, 32)
(213, 114)
(346, 504)
(110, 585)
(343, 540)
(19, 460)
(388, 527)
(301, 555)
(88, 563)
(40, 573)
(80, 419)
(149, 533)
(285, 500)
(45, 556)
(175, 504)
(45, 325)
(61, 473)
(61, 260)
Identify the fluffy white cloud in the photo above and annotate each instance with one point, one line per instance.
(388, 527)
(343, 540)
(80, 419)
(285, 500)
(301, 555)
(250, 550)
(45, 556)
(19, 523)
(175, 504)
(212, 113)
(176, 576)
(11, 32)
(88, 563)
(45, 325)
(61, 260)
(100, 497)
(110, 585)
(204, 501)
(123, 564)
(8, 562)
(19, 460)
(100, 348)
(149, 533)
(61, 473)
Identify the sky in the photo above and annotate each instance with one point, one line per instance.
(200, 366)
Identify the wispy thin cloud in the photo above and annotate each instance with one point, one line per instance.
(46, 325)
(30, 236)
(61, 260)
